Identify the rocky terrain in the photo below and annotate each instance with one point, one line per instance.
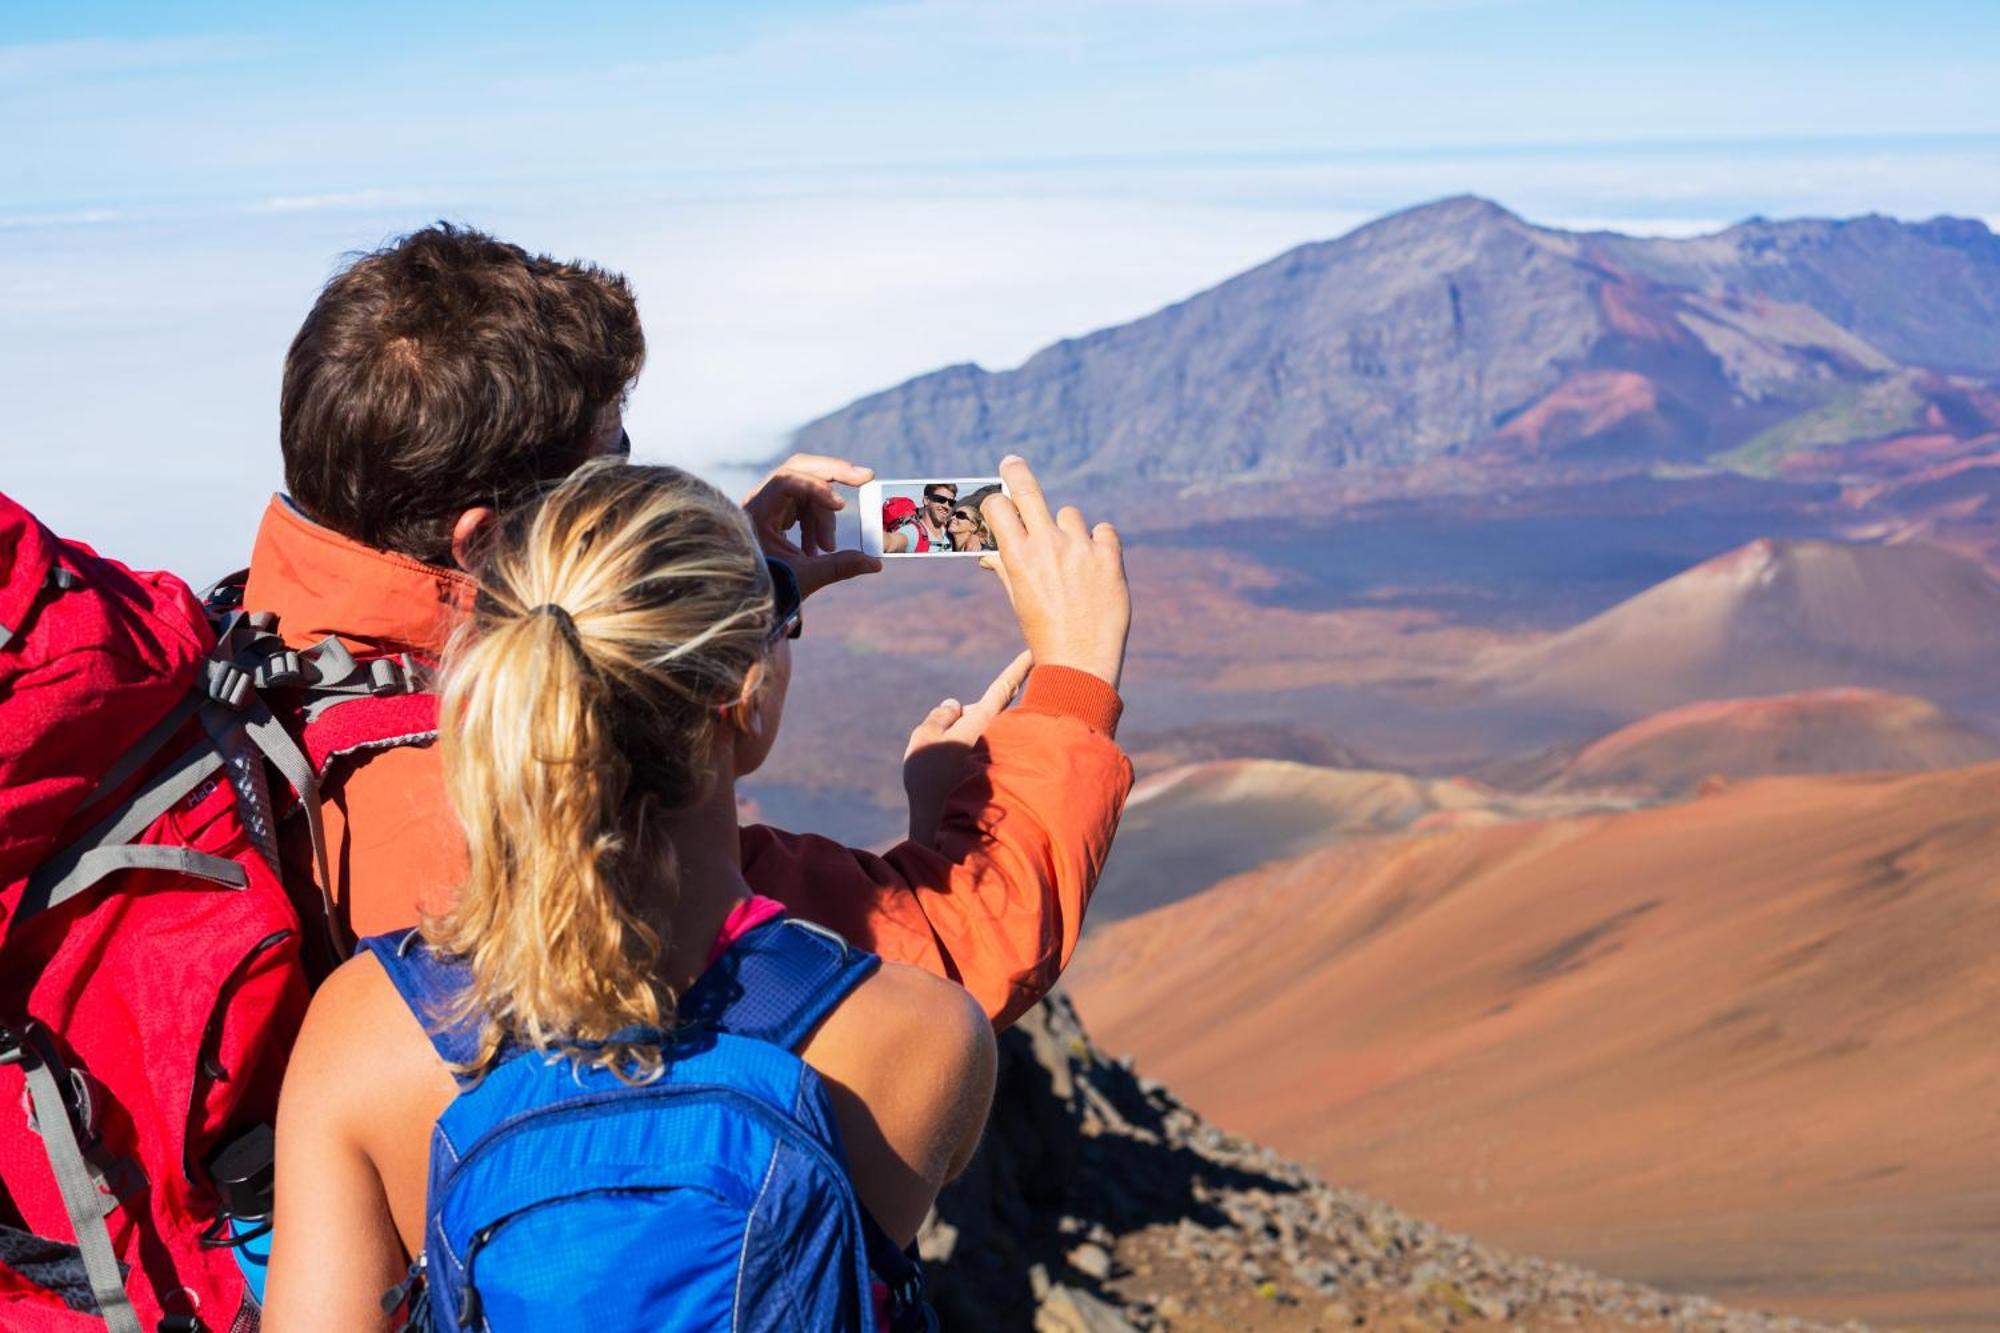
(1101, 1204)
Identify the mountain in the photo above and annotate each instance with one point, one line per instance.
(1456, 334)
(1773, 617)
(1099, 1203)
(1741, 1043)
(1189, 828)
(1814, 731)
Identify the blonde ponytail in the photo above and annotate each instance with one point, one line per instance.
(614, 617)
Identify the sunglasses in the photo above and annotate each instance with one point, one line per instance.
(965, 515)
(936, 499)
(787, 602)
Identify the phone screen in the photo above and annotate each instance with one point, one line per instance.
(923, 518)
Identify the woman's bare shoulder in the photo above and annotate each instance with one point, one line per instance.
(905, 1033)
(917, 1010)
(362, 1045)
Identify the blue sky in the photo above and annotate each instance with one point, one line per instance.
(817, 199)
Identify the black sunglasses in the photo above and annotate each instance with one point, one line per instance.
(936, 499)
(787, 602)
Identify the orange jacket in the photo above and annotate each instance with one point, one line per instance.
(996, 904)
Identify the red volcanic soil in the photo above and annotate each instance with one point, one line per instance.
(1743, 1045)
(1817, 731)
(1639, 310)
(1770, 617)
(1587, 404)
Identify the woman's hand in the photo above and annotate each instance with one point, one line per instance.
(800, 494)
(934, 760)
(1065, 580)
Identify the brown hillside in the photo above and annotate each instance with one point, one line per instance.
(1769, 617)
(1815, 731)
(1744, 1044)
(1187, 828)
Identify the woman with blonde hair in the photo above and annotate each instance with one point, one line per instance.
(966, 524)
(611, 1086)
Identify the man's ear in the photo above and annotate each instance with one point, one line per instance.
(475, 527)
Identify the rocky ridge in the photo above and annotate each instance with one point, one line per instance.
(1457, 335)
(1101, 1204)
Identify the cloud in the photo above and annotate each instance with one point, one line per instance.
(338, 199)
(82, 217)
(25, 63)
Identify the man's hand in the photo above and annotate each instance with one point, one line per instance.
(800, 494)
(1066, 580)
(935, 758)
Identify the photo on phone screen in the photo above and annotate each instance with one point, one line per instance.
(927, 517)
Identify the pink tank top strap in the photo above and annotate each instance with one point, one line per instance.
(743, 918)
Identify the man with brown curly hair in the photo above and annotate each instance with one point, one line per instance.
(448, 376)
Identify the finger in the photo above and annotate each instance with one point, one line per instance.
(1106, 539)
(816, 572)
(994, 701)
(1003, 520)
(1026, 491)
(1070, 519)
(822, 467)
(1007, 684)
(788, 494)
(998, 566)
(933, 727)
(823, 527)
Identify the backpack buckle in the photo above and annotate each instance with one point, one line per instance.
(280, 670)
(228, 684)
(385, 676)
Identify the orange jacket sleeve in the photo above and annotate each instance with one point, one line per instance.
(998, 902)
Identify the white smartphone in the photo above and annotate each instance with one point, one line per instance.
(927, 517)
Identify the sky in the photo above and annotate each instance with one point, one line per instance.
(815, 200)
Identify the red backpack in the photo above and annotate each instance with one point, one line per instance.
(152, 973)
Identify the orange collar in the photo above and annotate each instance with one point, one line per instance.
(319, 583)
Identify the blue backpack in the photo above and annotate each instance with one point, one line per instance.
(715, 1196)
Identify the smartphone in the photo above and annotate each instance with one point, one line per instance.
(927, 517)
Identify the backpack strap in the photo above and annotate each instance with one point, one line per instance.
(85, 1203)
(777, 982)
(428, 984)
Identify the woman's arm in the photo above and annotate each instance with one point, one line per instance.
(334, 1247)
(909, 1061)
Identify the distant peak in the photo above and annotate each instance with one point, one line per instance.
(1458, 208)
